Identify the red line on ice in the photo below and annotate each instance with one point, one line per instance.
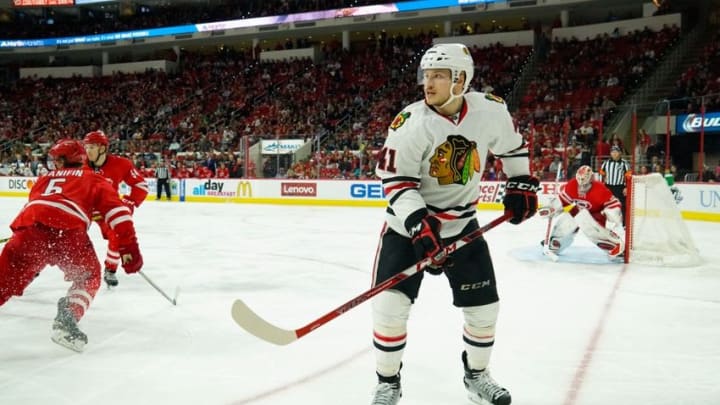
(579, 377)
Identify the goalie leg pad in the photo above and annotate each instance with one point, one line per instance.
(479, 334)
(604, 238)
(391, 309)
(563, 233)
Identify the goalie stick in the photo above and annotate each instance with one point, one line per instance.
(253, 323)
(546, 244)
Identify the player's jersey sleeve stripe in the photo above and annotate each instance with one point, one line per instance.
(515, 162)
(397, 194)
(520, 151)
(118, 220)
(448, 217)
(115, 211)
(397, 186)
(142, 186)
(400, 179)
(612, 203)
(401, 187)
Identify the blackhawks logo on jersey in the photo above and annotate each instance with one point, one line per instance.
(494, 98)
(399, 120)
(455, 161)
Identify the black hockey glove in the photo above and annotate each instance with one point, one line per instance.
(427, 242)
(521, 197)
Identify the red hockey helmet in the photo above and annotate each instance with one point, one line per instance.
(69, 150)
(96, 138)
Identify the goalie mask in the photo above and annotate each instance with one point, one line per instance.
(456, 58)
(584, 177)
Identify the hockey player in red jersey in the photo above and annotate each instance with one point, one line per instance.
(595, 211)
(118, 170)
(52, 229)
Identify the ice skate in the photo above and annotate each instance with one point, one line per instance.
(65, 330)
(482, 389)
(110, 278)
(388, 391)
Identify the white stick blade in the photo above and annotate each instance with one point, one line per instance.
(251, 322)
(550, 254)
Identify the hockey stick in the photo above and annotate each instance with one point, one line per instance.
(253, 323)
(546, 244)
(172, 300)
(4, 240)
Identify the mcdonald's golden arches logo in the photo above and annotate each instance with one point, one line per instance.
(244, 189)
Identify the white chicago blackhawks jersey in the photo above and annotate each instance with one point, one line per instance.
(435, 162)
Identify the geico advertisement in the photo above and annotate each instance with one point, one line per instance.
(17, 185)
(367, 191)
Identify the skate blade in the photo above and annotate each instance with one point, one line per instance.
(476, 399)
(76, 346)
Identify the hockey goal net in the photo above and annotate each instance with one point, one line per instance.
(655, 231)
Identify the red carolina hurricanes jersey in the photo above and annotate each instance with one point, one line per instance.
(119, 169)
(595, 200)
(64, 199)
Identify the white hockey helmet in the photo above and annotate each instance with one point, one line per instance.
(584, 178)
(455, 57)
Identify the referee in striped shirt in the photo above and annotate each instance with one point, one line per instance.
(614, 171)
(162, 174)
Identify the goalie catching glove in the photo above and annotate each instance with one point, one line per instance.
(521, 197)
(426, 240)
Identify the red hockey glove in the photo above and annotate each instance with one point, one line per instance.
(521, 197)
(132, 260)
(128, 203)
(427, 242)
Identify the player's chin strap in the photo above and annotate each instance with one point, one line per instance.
(94, 165)
(451, 98)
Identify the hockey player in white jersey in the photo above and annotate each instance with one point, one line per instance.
(430, 166)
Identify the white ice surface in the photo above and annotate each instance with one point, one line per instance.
(569, 333)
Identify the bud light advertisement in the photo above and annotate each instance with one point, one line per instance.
(693, 123)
